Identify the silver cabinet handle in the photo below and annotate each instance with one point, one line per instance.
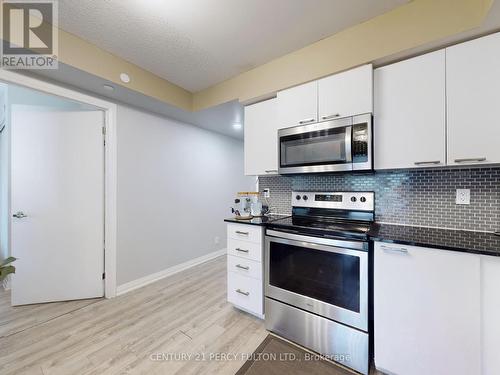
(306, 121)
(470, 160)
(242, 292)
(241, 250)
(330, 116)
(242, 233)
(271, 171)
(428, 162)
(20, 215)
(400, 250)
(242, 267)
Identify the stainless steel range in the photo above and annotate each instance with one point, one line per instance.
(316, 272)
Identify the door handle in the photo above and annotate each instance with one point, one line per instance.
(20, 215)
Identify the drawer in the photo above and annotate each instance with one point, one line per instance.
(244, 267)
(245, 232)
(244, 249)
(245, 292)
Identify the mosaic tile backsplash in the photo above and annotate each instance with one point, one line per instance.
(411, 197)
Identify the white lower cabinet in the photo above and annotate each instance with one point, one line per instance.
(245, 287)
(427, 311)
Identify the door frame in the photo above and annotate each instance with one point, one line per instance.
(110, 178)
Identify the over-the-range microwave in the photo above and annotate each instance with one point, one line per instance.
(331, 146)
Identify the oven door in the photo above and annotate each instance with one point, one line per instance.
(319, 275)
(316, 148)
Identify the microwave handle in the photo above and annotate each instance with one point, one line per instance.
(348, 144)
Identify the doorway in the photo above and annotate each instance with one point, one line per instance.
(57, 216)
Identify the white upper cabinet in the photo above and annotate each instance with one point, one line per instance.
(473, 89)
(346, 94)
(261, 138)
(409, 115)
(298, 105)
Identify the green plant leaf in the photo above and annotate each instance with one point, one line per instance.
(7, 261)
(6, 270)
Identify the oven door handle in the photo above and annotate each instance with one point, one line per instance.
(317, 240)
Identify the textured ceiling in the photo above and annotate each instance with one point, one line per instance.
(198, 43)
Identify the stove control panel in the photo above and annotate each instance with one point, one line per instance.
(355, 201)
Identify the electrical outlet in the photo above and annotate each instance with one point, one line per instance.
(267, 193)
(463, 196)
(216, 240)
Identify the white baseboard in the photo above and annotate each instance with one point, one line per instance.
(143, 281)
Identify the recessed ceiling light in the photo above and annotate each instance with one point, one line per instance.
(108, 88)
(125, 78)
(237, 126)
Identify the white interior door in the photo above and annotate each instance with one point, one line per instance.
(57, 181)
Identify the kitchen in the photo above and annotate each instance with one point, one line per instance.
(390, 177)
(250, 187)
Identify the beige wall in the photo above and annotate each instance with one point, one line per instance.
(406, 27)
(415, 24)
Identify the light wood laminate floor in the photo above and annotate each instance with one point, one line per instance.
(185, 313)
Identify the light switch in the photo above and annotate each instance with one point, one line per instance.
(463, 196)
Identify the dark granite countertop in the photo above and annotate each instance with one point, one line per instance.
(445, 239)
(261, 221)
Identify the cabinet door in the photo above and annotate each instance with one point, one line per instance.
(346, 94)
(426, 311)
(409, 116)
(261, 138)
(473, 86)
(490, 313)
(298, 105)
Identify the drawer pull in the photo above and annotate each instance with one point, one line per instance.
(242, 233)
(271, 171)
(241, 250)
(242, 292)
(242, 267)
(400, 250)
(307, 121)
(470, 160)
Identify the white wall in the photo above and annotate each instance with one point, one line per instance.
(176, 183)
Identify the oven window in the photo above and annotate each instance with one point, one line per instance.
(329, 277)
(314, 148)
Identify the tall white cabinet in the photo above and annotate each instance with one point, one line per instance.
(410, 113)
(261, 138)
(427, 311)
(473, 87)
